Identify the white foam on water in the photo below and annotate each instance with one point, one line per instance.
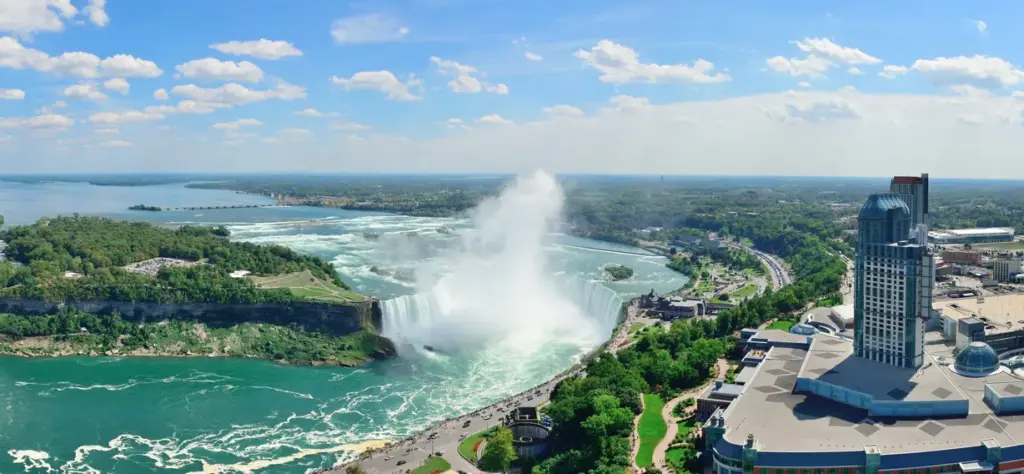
(32, 460)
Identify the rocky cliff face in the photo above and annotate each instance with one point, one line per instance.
(329, 318)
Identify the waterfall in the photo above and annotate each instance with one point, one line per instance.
(426, 319)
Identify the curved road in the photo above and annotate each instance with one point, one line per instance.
(779, 273)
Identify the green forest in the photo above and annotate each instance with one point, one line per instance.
(96, 249)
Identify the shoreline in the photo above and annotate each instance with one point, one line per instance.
(95, 355)
(545, 388)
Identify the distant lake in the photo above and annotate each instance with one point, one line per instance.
(25, 203)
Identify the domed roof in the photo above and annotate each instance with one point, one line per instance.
(878, 206)
(977, 358)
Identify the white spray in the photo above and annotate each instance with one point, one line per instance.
(498, 287)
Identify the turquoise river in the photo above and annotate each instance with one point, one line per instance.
(143, 415)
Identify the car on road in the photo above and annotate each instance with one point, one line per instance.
(466, 424)
(433, 435)
(400, 462)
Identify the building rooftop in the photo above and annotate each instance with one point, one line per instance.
(878, 206)
(972, 232)
(1001, 313)
(768, 405)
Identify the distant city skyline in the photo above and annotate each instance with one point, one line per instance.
(485, 86)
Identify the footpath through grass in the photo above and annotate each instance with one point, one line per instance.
(650, 430)
(466, 447)
(433, 465)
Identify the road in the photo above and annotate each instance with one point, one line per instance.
(415, 450)
(779, 274)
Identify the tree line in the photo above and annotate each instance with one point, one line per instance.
(96, 249)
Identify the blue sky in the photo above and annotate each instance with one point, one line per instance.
(500, 85)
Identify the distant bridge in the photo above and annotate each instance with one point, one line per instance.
(210, 208)
(626, 252)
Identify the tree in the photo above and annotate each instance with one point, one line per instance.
(355, 469)
(499, 453)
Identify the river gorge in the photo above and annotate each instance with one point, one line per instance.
(506, 301)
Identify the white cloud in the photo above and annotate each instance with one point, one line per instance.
(620, 64)
(14, 55)
(261, 48)
(84, 91)
(107, 131)
(96, 11)
(533, 56)
(454, 123)
(122, 117)
(804, 84)
(891, 71)
(187, 107)
(822, 55)
(26, 16)
(500, 89)
(12, 94)
(289, 135)
(161, 94)
(369, 28)
(217, 70)
(237, 94)
(117, 84)
(124, 65)
(116, 144)
(315, 113)
(349, 126)
(60, 104)
(825, 48)
(42, 121)
(818, 110)
(382, 81)
(982, 71)
(563, 111)
(970, 91)
(494, 119)
(970, 119)
(628, 102)
(981, 26)
(237, 124)
(812, 67)
(854, 71)
(465, 82)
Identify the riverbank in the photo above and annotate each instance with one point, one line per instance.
(279, 344)
(417, 448)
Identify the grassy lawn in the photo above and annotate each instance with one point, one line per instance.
(1015, 245)
(674, 455)
(636, 327)
(433, 464)
(744, 292)
(650, 430)
(305, 285)
(782, 324)
(706, 285)
(466, 446)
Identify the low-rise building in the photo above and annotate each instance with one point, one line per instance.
(717, 395)
(968, 257)
(971, 236)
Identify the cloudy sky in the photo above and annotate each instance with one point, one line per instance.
(867, 88)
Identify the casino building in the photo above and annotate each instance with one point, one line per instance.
(902, 394)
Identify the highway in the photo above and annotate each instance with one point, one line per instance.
(779, 274)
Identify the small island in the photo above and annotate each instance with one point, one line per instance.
(143, 207)
(619, 272)
(91, 286)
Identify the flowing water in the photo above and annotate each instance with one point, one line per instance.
(504, 315)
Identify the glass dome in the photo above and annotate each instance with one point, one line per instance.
(977, 358)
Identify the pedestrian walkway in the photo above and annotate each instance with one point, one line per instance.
(721, 367)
